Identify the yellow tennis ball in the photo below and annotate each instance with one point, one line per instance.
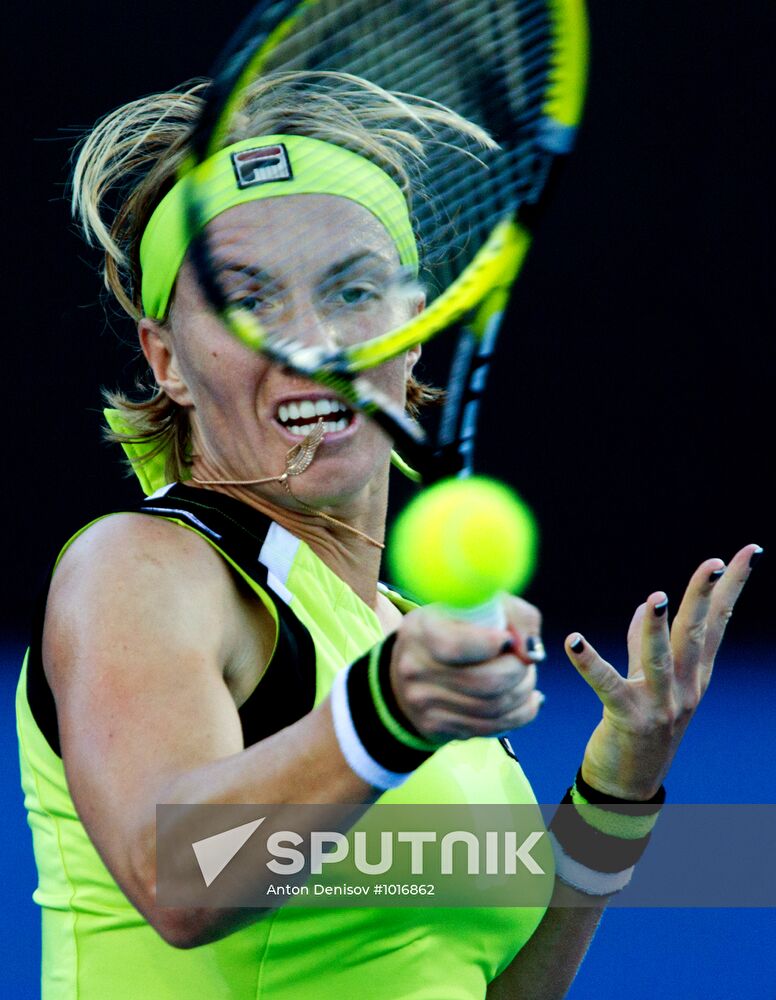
(462, 541)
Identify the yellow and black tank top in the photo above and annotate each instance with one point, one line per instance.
(96, 946)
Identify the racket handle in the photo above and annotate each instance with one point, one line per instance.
(490, 614)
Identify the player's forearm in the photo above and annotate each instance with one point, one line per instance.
(299, 764)
(545, 968)
(296, 766)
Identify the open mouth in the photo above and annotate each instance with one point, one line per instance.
(299, 416)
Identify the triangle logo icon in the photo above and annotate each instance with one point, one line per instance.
(214, 853)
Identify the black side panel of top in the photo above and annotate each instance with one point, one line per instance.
(286, 691)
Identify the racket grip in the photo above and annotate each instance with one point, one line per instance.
(490, 614)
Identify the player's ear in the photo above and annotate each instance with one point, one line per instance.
(159, 350)
(414, 352)
(411, 359)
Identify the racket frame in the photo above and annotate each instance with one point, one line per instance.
(480, 294)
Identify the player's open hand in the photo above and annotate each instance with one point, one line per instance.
(647, 713)
(454, 679)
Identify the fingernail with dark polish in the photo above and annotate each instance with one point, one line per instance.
(508, 647)
(713, 577)
(535, 649)
(660, 609)
(755, 556)
(577, 645)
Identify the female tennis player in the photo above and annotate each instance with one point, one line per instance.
(214, 646)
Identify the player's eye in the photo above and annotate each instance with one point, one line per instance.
(353, 295)
(253, 303)
(259, 301)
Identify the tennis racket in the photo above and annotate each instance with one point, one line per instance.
(516, 68)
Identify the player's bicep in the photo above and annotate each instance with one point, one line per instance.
(135, 642)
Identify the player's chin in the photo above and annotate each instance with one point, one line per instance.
(344, 471)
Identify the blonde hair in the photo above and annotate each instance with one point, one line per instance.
(132, 157)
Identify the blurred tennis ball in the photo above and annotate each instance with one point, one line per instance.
(462, 541)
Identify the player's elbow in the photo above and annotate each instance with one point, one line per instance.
(185, 929)
(191, 928)
(182, 926)
(178, 928)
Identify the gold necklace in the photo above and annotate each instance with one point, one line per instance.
(298, 459)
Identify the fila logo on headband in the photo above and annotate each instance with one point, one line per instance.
(260, 165)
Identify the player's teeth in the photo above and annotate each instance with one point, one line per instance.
(329, 427)
(309, 409)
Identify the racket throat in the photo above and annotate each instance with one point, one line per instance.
(458, 423)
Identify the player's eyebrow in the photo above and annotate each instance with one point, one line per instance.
(252, 271)
(354, 260)
(232, 269)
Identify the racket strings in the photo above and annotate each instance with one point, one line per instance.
(426, 44)
(364, 37)
(465, 198)
(431, 36)
(491, 61)
(508, 67)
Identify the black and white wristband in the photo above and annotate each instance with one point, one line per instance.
(375, 738)
(597, 839)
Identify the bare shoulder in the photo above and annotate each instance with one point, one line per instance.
(146, 582)
(144, 624)
(139, 543)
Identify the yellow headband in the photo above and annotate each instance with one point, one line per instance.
(269, 166)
